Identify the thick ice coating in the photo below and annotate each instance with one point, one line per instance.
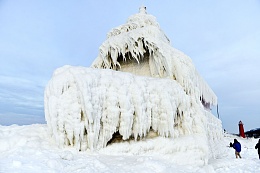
(85, 107)
(137, 85)
(141, 47)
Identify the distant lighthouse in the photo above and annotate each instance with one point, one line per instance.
(241, 129)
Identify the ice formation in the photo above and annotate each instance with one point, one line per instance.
(140, 47)
(87, 106)
(138, 84)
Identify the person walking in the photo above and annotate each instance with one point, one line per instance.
(237, 147)
(257, 146)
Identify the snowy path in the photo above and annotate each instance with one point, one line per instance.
(28, 149)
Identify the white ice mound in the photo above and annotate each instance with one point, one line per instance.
(141, 47)
(162, 93)
(84, 107)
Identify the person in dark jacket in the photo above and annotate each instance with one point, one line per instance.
(257, 146)
(237, 147)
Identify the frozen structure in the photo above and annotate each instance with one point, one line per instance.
(138, 84)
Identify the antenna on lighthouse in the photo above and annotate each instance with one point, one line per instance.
(217, 111)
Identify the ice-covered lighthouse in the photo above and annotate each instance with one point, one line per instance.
(138, 84)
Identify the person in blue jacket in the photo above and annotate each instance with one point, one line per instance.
(257, 146)
(237, 147)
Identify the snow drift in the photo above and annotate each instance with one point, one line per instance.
(29, 149)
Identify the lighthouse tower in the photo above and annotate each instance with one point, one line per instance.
(241, 129)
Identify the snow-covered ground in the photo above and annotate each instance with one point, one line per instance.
(29, 148)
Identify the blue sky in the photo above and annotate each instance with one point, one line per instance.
(221, 37)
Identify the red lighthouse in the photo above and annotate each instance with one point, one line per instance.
(241, 129)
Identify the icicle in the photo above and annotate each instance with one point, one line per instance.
(164, 60)
(99, 103)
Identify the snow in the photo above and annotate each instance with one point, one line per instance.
(29, 149)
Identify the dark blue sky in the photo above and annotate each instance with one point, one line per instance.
(221, 37)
